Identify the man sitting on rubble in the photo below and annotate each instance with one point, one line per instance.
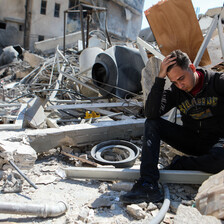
(199, 95)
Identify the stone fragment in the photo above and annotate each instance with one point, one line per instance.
(101, 202)
(103, 188)
(83, 215)
(13, 183)
(210, 197)
(143, 205)
(151, 207)
(136, 212)
(33, 59)
(186, 215)
(23, 155)
(35, 116)
(122, 186)
(46, 179)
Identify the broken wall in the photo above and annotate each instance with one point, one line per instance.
(122, 21)
(124, 18)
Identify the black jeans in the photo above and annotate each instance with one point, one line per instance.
(207, 153)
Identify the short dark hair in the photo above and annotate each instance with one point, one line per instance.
(182, 60)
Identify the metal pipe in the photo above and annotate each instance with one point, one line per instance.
(25, 24)
(64, 32)
(220, 31)
(129, 174)
(205, 41)
(87, 29)
(22, 174)
(82, 27)
(40, 210)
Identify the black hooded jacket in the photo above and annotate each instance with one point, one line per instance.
(203, 113)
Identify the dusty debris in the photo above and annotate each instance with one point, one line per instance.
(21, 153)
(46, 179)
(101, 202)
(13, 183)
(11, 54)
(60, 111)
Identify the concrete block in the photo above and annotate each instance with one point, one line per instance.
(84, 134)
(23, 155)
(35, 116)
(33, 59)
(49, 46)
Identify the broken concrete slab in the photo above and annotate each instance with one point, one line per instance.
(49, 45)
(84, 134)
(185, 213)
(34, 60)
(51, 123)
(23, 154)
(35, 116)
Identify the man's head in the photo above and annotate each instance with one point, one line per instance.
(183, 72)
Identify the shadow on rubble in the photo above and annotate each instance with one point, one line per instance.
(108, 205)
(86, 183)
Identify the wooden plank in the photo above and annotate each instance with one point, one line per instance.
(175, 26)
(80, 159)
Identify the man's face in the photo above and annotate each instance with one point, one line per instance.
(182, 79)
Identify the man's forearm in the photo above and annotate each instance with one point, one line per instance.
(153, 102)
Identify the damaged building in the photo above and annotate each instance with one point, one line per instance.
(25, 22)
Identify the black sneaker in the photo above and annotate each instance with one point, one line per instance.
(142, 191)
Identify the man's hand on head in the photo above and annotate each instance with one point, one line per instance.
(167, 61)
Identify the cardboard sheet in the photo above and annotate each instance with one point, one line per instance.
(175, 26)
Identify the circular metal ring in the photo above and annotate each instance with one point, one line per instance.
(133, 151)
(102, 150)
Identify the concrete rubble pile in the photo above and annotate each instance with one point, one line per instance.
(55, 108)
